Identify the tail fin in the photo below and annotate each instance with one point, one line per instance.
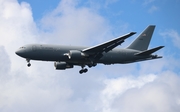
(141, 43)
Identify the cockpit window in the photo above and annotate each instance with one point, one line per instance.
(22, 47)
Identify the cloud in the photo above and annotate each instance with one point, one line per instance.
(4, 67)
(109, 2)
(144, 93)
(117, 87)
(147, 2)
(69, 22)
(17, 27)
(41, 88)
(174, 35)
(153, 9)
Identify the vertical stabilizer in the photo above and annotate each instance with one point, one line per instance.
(141, 43)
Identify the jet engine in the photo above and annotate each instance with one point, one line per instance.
(62, 65)
(76, 55)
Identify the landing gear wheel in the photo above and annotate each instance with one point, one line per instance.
(29, 64)
(28, 61)
(83, 71)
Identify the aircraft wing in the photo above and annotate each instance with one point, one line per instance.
(96, 51)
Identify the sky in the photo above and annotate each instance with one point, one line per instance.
(151, 86)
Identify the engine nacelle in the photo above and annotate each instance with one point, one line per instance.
(76, 55)
(62, 65)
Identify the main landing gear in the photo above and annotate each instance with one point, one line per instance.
(28, 61)
(83, 70)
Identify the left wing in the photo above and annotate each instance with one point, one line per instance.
(98, 50)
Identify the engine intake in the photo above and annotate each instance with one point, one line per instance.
(62, 65)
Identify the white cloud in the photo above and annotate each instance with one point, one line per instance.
(17, 27)
(117, 87)
(68, 23)
(5, 66)
(153, 9)
(41, 88)
(109, 2)
(145, 93)
(173, 35)
(147, 2)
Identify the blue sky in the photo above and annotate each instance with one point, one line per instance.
(145, 86)
(135, 14)
(162, 13)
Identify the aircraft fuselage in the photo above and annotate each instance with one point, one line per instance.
(44, 52)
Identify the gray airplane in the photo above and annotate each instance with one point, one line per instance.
(65, 57)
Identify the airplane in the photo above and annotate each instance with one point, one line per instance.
(65, 57)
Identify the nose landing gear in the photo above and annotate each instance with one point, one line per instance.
(28, 61)
(83, 70)
(29, 64)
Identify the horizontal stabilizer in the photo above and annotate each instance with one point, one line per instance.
(148, 52)
(145, 59)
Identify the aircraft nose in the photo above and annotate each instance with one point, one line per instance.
(19, 52)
